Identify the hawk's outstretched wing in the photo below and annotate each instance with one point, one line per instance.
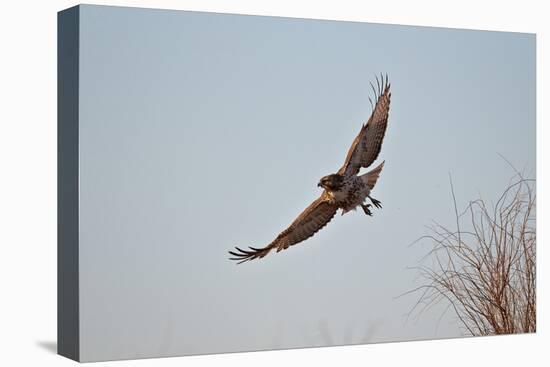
(312, 219)
(367, 144)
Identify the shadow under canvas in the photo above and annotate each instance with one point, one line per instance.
(48, 345)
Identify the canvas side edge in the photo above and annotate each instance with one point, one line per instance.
(68, 324)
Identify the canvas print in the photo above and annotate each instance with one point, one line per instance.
(234, 183)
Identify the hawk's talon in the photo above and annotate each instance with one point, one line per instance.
(377, 203)
(367, 210)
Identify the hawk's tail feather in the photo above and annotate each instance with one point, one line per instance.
(252, 253)
(371, 177)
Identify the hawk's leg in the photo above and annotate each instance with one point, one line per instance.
(376, 203)
(366, 209)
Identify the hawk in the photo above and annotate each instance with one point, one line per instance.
(345, 189)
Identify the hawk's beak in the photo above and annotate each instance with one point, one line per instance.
(319, 185)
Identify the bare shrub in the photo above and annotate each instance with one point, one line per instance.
(484, 268)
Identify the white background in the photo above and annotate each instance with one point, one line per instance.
(28, 181)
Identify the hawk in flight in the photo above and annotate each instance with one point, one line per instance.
(345, 189)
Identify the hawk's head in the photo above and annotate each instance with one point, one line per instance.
(331, 182)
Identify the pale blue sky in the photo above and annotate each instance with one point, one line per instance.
(199, 132)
